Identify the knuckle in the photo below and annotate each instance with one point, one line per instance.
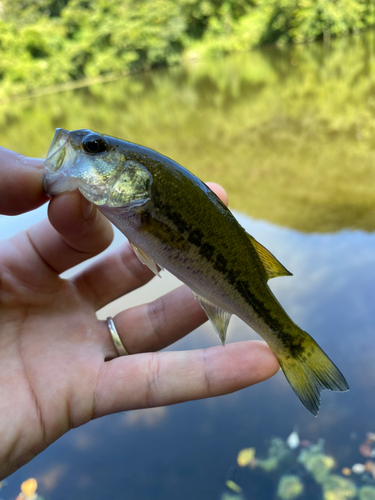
(153, 376)
(157, 318)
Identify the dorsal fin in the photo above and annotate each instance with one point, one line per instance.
(271, 265)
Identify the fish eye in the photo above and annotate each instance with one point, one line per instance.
(94, 144)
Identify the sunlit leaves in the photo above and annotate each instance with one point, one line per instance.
(289, 131)
(46, 42)
(246, 457)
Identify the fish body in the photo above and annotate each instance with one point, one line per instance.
(175, 222)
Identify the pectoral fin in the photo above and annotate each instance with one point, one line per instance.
(271, 265)
(218, 317)
(145, 259)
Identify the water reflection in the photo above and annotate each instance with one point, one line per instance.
(289, 133)
(186, 450)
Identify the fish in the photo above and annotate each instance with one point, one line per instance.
(175, 222)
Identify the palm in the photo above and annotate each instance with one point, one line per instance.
(59, 366)
(50, 353)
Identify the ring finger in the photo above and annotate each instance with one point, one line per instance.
(75, 232)
(153, 326)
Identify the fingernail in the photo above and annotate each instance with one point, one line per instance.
(87, 209)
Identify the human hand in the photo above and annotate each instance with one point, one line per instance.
(59, 366)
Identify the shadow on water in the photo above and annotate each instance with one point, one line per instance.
(289, 133)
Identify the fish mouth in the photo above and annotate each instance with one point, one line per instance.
(55, 178)
(56, 153)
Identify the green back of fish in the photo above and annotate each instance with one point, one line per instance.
(191, 214)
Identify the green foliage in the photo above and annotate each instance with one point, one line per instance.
(269, 21)
(28, 56)
(48, 42)
(289, 487)
(277, 452)
(338, 488)
(366, 493)
(289, 131)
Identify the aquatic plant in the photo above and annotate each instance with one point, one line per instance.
(28, 490)
(234, 492)
(233, 486)
(231, 496)
(316, 462)
(338, 488)
(366, 493)
(268, 464)
(290, 487)
(302, 471)
(278, 451)
(246, 457)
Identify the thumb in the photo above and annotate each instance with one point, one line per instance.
(21, 186)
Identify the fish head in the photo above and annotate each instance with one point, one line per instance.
(97, 166)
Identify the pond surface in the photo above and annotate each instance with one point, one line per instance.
(289, 132)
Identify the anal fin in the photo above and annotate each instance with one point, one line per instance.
(145, 259)
(218, 317)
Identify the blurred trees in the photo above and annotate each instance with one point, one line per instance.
(47, 42)
(289, 131)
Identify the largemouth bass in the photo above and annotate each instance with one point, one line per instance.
(175, 222)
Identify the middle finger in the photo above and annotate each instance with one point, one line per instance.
(75, 232)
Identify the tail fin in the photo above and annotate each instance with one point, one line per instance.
(309, 371)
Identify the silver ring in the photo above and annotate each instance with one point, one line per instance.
(115, 337)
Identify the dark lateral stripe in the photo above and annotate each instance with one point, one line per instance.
(162, 232)
(290, 340)
(220, 263)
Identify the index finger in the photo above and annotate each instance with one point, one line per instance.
(21, 188)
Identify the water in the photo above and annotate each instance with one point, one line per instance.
(289, 133)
